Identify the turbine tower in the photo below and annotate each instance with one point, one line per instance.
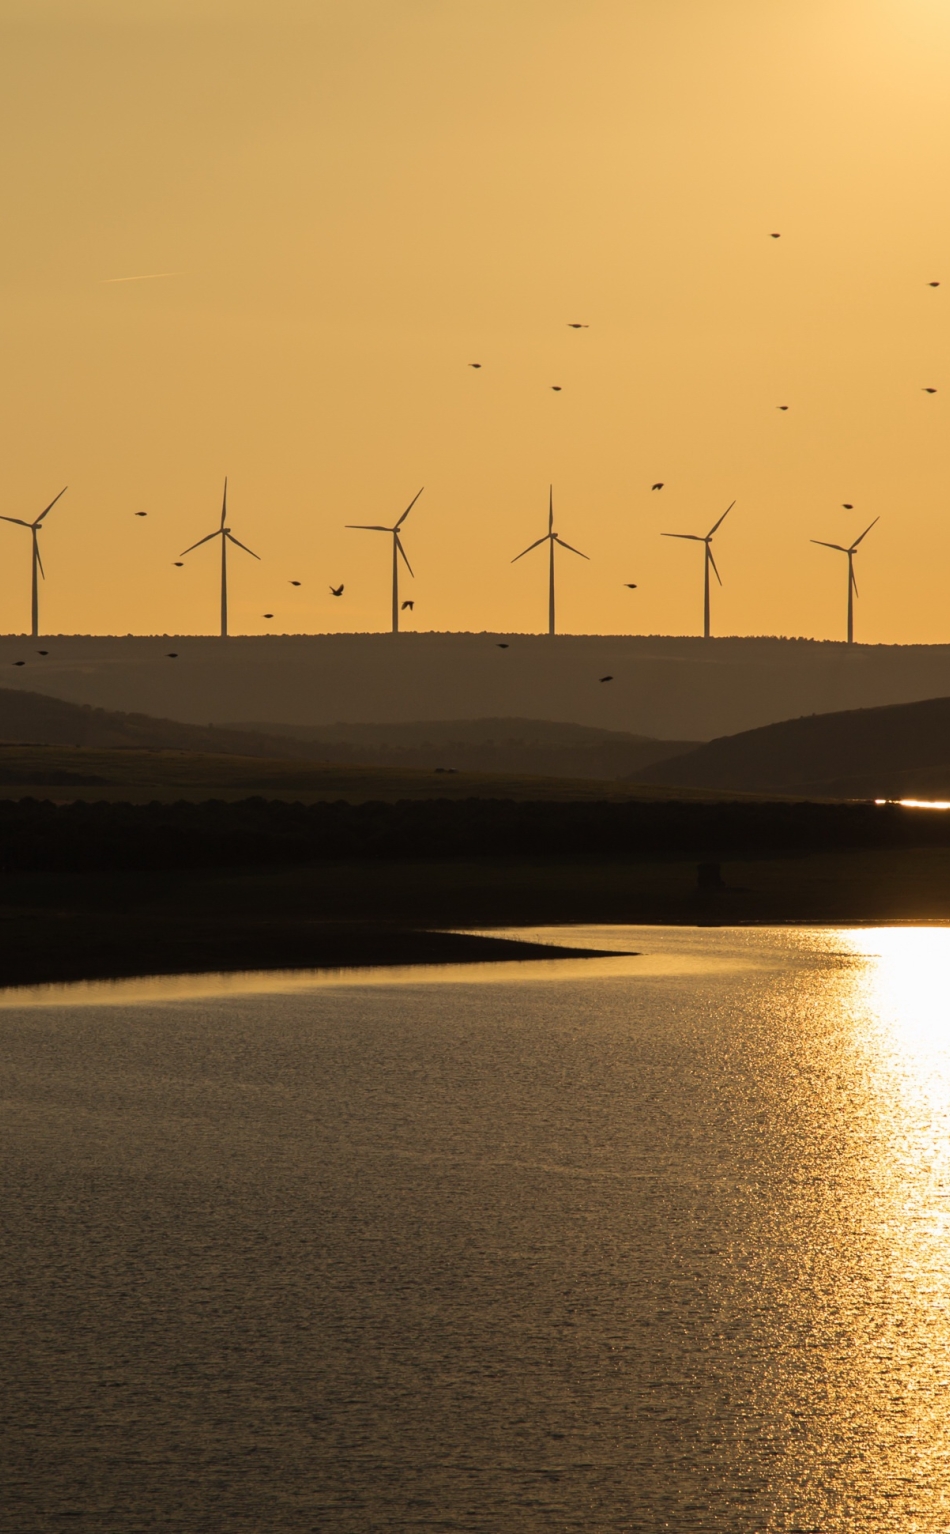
(707, 561)
(852, 583)
(372, 527)
(226, 536)
(37, 561)
(550, 538)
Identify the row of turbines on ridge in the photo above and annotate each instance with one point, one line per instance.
(551, 538)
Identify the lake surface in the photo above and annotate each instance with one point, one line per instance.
(649, 1243)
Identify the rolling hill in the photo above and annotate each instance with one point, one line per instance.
(895, 752)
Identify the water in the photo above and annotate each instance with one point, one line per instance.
(638, 1244)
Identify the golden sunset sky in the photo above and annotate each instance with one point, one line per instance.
(358, 198)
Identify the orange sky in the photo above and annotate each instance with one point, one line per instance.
(358, 198)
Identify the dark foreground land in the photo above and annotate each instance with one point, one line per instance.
(98, 890)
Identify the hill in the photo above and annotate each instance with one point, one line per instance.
(665, 687)
(897, 752)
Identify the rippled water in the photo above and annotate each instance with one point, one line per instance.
(638, 1244)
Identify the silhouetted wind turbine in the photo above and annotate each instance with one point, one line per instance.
(373, 527)
(708, 560)
(226, 536)
(37, 561)
(550, 538)
(852, 583)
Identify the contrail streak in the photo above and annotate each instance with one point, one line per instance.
(145, 277)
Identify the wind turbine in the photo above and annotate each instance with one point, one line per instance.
(852, 583)
(372, 527)
(37, 561)
(550, 538)
(708, 560)
(226, 535)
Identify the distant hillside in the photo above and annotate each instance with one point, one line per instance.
(536, 747)
(523, 747)
(899, 751)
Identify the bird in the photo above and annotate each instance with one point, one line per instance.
(928, 391)
(19, 662)
(781, 407)
(556, 388)
(179, 564)
(172, 654)
(775, 236)
(933, 284)
(336, 591)
(501, 647)
(295, 583)
(606, 679)
(576, 325)
(658, 486)
(141, 513)
(474, 364)
(410, 605)
(848, 505)
(268, 615)
(42, 652)
(630, 585)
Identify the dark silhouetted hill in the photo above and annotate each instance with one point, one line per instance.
(897, 752)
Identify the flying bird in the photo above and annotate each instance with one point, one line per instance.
(928, 391)
(501, 647)
(336, 591)
(474, 364)
(576, 325)
(410, 605)
(848, 505)
(606, 679)
(19, 662)
(42, 652)
(556, 388)
(172, 654)
(775, 237)
(781, 407)
(659, 485)
(268, 615)
(933, 284)
(141, 513)
(630, 585)
(179, 564)
(295, 583)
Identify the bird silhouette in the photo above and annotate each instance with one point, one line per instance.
(42, 652)
(474, 364)
(268, 615)
(410, 605)
(658, 486)
(336, 591)
(775, 236)
(781, 407)
(630, 585)
(172, 654)
(179, 564)
(141, 513)
(501, 647)
(606, 679)
(848, 505)
(19, 662)
(576, 325)
(556, 388)
(934, 284)
(295, 583)
(928, 391)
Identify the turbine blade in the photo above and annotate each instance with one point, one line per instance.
(721, 519)
(568, 546)
(369, 527)
(408, 509)
(823, 545)
(550, 508)
(224, 502)
(403, 553)
(530, 547)
(242, 545)
(854, 581)
(863, 535)
(50, 506)
(199, 543)
(18, 520)
(712, 561)
(39, 561)
(693, 537)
